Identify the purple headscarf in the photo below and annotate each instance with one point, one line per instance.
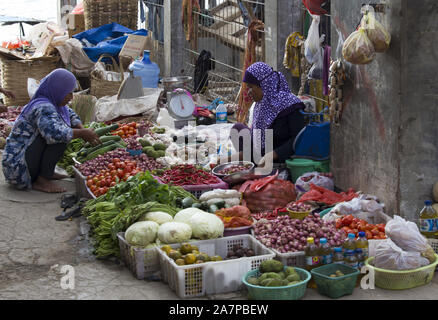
(53, 89)
(277, 97)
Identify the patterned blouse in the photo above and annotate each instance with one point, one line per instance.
(43, 120)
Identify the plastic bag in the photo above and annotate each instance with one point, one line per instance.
(32, 86)
(302, 185)
(316, 71)
(391, 257)
(375, 31)
(407, 236)
(312, 45)
(358, 48)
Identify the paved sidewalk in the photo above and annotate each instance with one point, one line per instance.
(34, 247)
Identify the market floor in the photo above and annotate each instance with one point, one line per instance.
(34, 247)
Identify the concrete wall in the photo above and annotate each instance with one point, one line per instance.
(385, 144)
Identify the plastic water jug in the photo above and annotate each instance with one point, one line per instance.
(147, 70)
(221, 113)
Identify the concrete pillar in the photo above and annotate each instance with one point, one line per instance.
(386, 143)
(281, 19)
(173, 38)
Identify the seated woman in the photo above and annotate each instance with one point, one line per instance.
(276, 108)
(41, 134)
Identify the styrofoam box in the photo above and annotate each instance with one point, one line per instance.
(141, 262)
(213, 277)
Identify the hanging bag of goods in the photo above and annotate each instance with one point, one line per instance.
(358, 48)
(375, 31)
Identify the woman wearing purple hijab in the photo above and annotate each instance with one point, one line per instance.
(41, 133)
(276, 108)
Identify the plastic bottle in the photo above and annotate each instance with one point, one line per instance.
(350, 243)
(147, 70)
(362, 243)
(338, 256)
(350, 259)
(360, 258)
(312, 254)
(221, 113)
(428, 220)
(325, 251)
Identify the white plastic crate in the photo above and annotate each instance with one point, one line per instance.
(141, 262)
(213, 277)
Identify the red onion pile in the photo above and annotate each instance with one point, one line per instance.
(94, 166)
(144, 163)
(132, 143)
(299, 207)
(285, 234)
(5, 130)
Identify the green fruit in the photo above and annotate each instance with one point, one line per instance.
(253, 280)
(187, 202)
(282, 274)
(271, 266)
(293, 277)
(289, 271)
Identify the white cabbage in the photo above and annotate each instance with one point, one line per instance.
(206, 226)
(158, 216)
(186, 214)
(174, 232)
(142, 233)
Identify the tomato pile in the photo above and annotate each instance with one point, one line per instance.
(117, 171)
(350, 224)
(126, 130)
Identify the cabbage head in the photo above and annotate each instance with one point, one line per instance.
(158, 216)
(206, 226)
(186, 214)
(142, 233)
(174, 232)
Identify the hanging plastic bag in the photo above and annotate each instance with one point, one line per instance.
(390, 256)
(375, 31)
(312, 45)
(302, 185)
(406, 235)
(358, 48)
(316, 71)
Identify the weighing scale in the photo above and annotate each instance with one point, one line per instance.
(181, 106)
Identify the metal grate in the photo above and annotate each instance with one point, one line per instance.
(220, 28)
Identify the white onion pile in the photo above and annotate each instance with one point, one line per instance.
(285, 234)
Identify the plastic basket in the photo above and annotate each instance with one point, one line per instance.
(298, 167)
(228, 232)
(434, 244)
(292, 292)
(335, 287)
(298, 215)
(290, 259)
(213, 277)
(141, 262)
(402, 280)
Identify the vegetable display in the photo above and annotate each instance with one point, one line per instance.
(124, 204)
(350, 224)
(235, 168)
(125, 130)
(235, 217)
(285, 234)
(274, 274)
(185, 175)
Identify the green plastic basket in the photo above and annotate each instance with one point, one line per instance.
(324, 212)
(402, 280)
(335, 287)
(292, 292)
(298, 167)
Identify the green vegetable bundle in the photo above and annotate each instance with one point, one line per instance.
(66, 162)
(124, 204)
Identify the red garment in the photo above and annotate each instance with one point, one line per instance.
(320, 194)
(314, 6)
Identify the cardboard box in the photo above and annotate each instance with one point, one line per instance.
(75, 24)
(134, 46)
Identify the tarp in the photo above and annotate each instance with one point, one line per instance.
(107, 39)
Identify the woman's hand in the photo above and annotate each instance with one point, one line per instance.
(88, 135)
(7, 93)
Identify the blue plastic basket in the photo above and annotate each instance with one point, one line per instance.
(134, 152)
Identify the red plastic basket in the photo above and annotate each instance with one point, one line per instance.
(197, 190)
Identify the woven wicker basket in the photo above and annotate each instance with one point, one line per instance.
(101, 88)
(14, 75)
(100, 12)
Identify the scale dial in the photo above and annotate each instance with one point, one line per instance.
(181, 105)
